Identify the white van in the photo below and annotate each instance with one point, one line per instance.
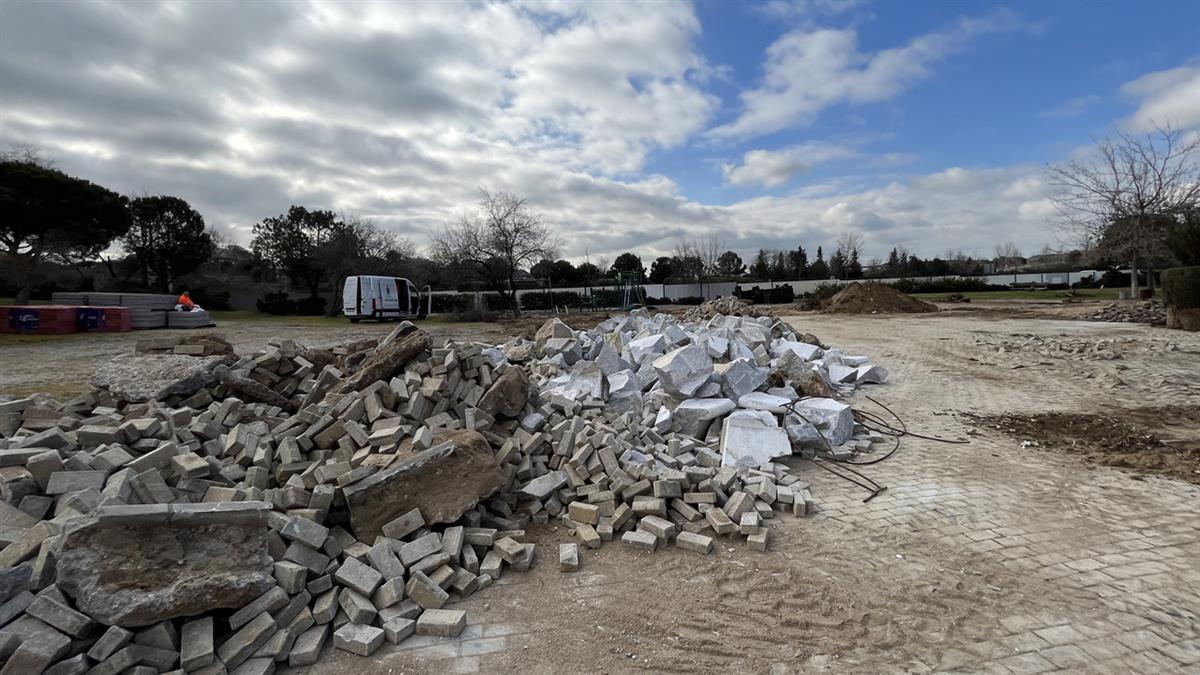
(383, 298)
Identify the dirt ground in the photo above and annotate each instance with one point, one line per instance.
(991, 556)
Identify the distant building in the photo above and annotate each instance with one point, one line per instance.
(1004, 264)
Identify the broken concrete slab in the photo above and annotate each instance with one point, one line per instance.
(442, 482)
(137, 378)
(138, 565)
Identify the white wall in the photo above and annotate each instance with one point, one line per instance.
(672, 291)
(807, 286)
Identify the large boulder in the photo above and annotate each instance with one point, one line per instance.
(693, 416)
(138, 565)
(751, 438)
(684, 370)
(443, 482)
(507, 395)
(584, 381)
(137, 378)
(834, 419)
(554, 328)
(740, 377)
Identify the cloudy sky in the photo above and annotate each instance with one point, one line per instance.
(629, 125)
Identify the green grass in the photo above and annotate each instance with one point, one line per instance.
(1096, 293)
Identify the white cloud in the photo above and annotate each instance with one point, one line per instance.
(775, 167)
(1072, 108)
(399, 112)
(806, 72)
(1166, 97)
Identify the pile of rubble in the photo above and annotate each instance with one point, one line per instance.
(724, 306)
(1148, 311)
(261, 507)
(1106, 349)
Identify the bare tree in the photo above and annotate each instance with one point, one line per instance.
(1007, 250)
(688, 262)
(1127, 193)
(849, 243)
(710, 247)
(26, 153)
(501, 238)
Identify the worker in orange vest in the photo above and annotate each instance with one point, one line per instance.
(185, 303)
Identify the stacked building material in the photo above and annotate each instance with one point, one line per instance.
(38, 319)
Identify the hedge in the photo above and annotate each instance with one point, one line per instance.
(543, 301)
(279, 303)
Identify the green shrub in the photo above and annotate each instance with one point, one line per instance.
(945, 285)
(543, 301)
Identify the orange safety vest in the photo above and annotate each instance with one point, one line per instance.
(186, 302)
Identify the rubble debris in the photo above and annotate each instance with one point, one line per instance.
(1083, 349)
(189, 345)
(295, 498)
(1146, 311)
(724, 306)
(874, 298)
(137, 378)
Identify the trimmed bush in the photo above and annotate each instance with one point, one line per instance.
(281, 304)
(451, 304)
(768, 296)
(1181, 295)
(543, 301)
(947, 285)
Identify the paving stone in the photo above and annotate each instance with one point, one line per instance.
(404, 525)
(60, 616)
(422, 590)
(358, 576)
(663, 529)
(639, 539)
(196, 644)
(568, 557)
(356, 606)
(420, 548)
(697, 543)
(399, 629)
(588, 536)
(110, 641)
(358, 639)
(307, 647)
(239, 646)
(441, 622)
(271, 601)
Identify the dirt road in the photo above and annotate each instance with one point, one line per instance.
(987, 556)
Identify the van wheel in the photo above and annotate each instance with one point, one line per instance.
(355, 320)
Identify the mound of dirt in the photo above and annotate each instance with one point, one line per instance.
(727, 306)
(870, 298)
(1147, 440)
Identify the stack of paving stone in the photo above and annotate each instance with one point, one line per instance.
(147, 310)
(352, 497)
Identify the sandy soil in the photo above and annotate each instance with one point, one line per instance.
(845, 591)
